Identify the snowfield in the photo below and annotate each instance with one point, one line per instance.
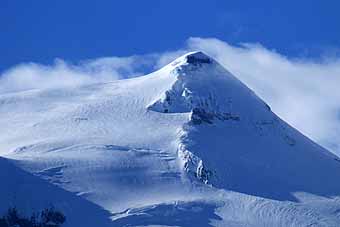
(188, 145)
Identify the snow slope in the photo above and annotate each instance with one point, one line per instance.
(29, 194)
(188, 145)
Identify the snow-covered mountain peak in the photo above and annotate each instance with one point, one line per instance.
(201, 85)
(222, 110)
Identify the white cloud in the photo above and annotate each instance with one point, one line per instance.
(303, 92)
(31, 75)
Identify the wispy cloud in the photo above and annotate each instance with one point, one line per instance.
(60, 74)
(303, 92)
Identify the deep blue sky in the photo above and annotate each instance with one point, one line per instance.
(42, 30)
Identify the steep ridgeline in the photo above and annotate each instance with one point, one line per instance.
(187, 145)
